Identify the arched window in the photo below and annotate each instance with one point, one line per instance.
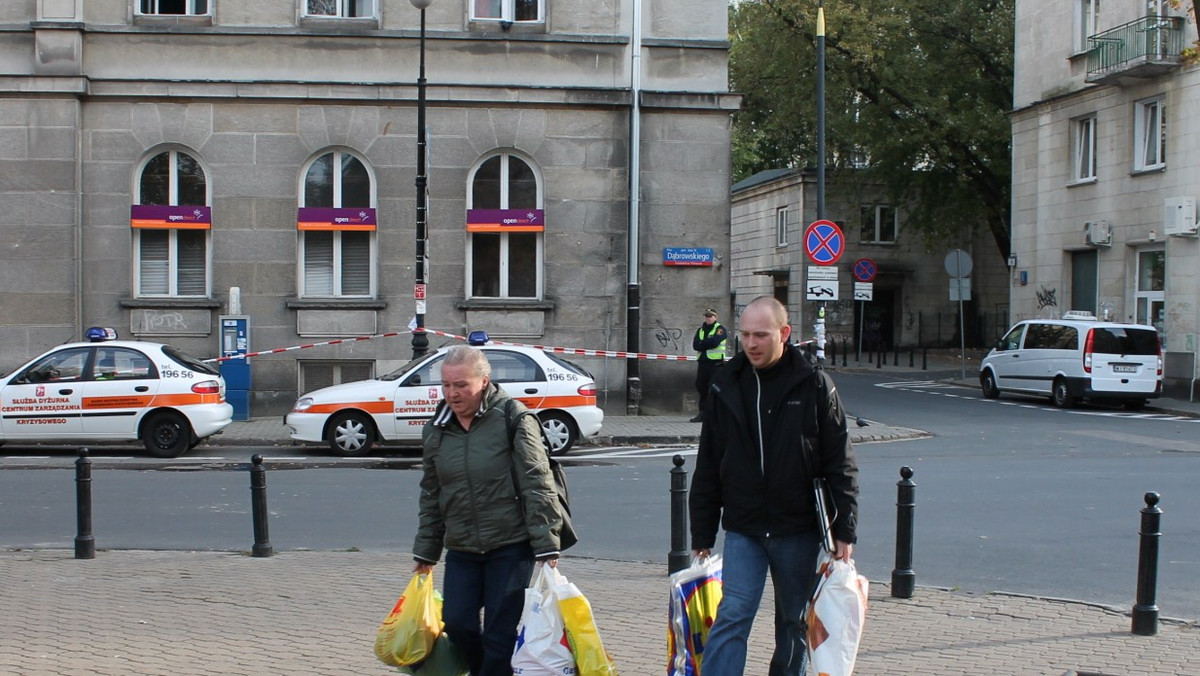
(336, 227)
(171, 223)
(505, 228)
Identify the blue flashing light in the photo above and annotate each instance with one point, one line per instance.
(99, 334)
(477, 338)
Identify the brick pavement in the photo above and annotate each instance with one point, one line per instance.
(205, 613)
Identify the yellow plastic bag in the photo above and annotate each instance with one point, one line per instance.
(407, 634)
(591, 659)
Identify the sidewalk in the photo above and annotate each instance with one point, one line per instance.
(206, 613)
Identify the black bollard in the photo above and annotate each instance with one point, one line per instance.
(831, 349)
(679, 558)
(895, 356)
(879, 358)
(1145, 610)
(924, 359)
(85, 543)
(910, 357)
(258, 506)
(903, 577)
(844, 350)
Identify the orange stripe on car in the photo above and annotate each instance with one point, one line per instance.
(368, 406)
(565, 401)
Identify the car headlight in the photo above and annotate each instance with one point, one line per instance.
(303, 404)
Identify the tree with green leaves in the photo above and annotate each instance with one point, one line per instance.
(918, 95)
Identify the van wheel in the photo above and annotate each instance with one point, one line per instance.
(1062, 394)
(987, 382)
(559, 431)
(350, 433)
(166, 434)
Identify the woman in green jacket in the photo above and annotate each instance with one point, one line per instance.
(487, 497)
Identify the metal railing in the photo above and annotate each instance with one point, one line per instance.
(1154, 39)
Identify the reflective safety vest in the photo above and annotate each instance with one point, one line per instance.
(718, 352)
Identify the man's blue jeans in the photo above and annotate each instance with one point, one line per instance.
(792, 560)
(494, 582)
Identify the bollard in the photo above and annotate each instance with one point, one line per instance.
(910, 357)
(844, 349)
(1145, 610)
(924, 359)
(895, 356)
(679, 558)
(85, 544)
(831, 349)
(903, 577)
(258, 506)
(879, 358)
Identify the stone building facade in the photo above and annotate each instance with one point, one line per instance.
(1104, 178)
(910, 303)
(167, 162)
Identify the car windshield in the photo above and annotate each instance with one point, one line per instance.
(1125, 341)
(402, 371)
(188, 361)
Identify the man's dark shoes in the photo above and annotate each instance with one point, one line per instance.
(698, 418)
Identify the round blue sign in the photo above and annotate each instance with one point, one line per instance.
(824, 243)
(865, 270)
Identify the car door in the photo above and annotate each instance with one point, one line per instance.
(1006, 361)
(416, 399)
(120, 385)
(42, 401)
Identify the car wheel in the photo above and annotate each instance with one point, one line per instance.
(350, 433)
(1062, 396)
(559, 431)
(987, 382)
(166, 434)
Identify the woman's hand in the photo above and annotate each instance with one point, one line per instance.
(423, 568)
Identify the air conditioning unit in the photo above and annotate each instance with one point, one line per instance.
(1179, 216)
(1098, 233)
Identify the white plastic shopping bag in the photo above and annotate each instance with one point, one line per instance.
(835, 616)
(542, 648)
(695, 594)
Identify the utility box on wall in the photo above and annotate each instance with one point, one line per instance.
(1179, 216)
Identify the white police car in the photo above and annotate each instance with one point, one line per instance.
(114, 390)
(352, 417)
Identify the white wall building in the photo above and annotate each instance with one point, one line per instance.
(1106, 176)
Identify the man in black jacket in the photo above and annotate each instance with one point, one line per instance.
(773, 422)
(710, 341)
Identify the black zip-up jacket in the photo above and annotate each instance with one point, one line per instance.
(804, 430)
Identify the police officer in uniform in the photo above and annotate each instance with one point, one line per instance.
(710, 342)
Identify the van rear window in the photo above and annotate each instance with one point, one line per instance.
(1124, 341)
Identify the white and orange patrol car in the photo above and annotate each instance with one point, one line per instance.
(114, 390)
(352, 417)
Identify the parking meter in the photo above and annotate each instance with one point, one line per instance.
(235, 340)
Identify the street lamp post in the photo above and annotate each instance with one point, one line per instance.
(420, 341)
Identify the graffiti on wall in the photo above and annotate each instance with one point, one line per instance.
(669, 340)
(1047, 298)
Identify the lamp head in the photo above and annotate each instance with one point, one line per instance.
(421, 4)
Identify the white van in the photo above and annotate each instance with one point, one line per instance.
(1074, 358)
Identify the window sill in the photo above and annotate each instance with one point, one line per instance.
(878, 243)
(492, 25)
(504, 304)
(1157, 169)
(340, 22)
(171, 303)
(1082, 181)
(336, 304)
(199, 20)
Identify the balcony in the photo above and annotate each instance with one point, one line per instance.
(1146, 47)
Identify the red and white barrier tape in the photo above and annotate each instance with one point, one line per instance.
(555, 350)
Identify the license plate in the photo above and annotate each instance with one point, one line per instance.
(1124, 368)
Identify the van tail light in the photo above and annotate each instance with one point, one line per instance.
(1160, 356)
(1087, 351)
(588, 389)
(207, 387)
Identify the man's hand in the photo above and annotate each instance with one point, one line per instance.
(701, 554)
(843, 551)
